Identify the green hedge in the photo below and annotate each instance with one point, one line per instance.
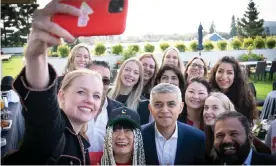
(222, 45)
(270, 42)
(164, 46)
(117, 49)
(134, 47)
(149, 48)
(193, 45)
(99, 49)
(247, 42)
(236, 44)
(208, 45)
(181, 47)
(259, 42)
(63, 50)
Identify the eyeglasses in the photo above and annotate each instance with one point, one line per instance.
(106, 81)
(194, 65)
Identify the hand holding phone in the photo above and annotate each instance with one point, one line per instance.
(98, 17)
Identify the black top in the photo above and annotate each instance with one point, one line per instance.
(142, 110)
(122, 99)
(46, 125)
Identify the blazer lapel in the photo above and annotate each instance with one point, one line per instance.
(151, 146)
(181, 141)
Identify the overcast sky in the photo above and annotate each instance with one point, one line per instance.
(183, 16)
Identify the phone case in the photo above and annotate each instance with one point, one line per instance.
(99, 17)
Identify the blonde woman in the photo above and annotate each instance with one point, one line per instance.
(128, 88)
(79, 57)
(215, 104)
(172, 56)
(151, 68)
(54, 123)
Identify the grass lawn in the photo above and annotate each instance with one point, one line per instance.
(262, 87)
(12, 67)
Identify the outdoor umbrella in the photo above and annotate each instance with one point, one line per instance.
(200, 38)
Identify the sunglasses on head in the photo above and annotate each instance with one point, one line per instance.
(106, 81)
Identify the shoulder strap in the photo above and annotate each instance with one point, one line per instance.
(58, 151)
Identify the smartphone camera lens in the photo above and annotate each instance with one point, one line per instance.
(116, 6)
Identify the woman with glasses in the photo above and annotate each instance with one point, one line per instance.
(195, 68)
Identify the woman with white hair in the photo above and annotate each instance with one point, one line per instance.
(123, 140)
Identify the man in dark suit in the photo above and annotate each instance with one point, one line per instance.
(167, 141)
(97, 127)
(233, 141)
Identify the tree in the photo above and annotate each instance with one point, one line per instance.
(16, 23)
(212, 28)
(9, 22)
(25, 14)
(251, 25)
(239, 28)
(233, 31)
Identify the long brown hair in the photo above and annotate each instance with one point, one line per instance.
(188, 65)
(239, 92)
(183, 116)
(150, 83)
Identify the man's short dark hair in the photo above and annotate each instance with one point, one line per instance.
(98, 63)
(233, 114)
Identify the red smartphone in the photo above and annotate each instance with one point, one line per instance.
(98, 18)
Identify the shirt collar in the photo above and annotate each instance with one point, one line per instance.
(158, 134)
(105, 103)
(249, 158)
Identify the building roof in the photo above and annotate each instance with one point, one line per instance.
(213, 37)
(271, 25)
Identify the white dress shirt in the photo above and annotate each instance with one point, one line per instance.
(97, 129)
(166, 149)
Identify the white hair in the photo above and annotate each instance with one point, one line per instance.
(166, 88)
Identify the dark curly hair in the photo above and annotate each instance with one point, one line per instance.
(239, 92)
(188, 65)
(175, 70)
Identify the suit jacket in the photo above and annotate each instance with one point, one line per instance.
(190, 145)
(143, 111)
(262, 159)
(112, 104)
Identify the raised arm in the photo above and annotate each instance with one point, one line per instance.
(41, 38)
(36, 86)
